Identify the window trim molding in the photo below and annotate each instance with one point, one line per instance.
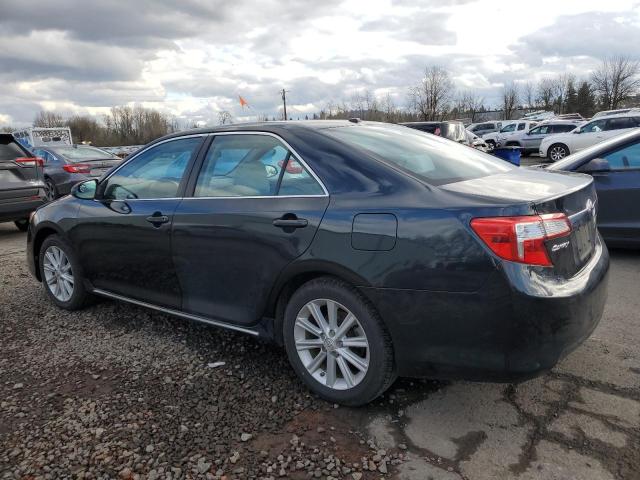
(213, 135)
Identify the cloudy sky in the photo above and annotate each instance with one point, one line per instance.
(192, 58)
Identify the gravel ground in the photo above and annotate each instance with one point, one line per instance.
(116, 391)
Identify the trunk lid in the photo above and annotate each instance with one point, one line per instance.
(573, 195)
(101, 166)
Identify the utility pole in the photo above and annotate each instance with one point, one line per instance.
(284, 102)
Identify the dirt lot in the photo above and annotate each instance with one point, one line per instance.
(119, 392)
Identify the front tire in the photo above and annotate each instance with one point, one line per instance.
(337, 343)
(61, 274)
(557, 151)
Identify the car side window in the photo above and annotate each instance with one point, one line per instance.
(563, 128)
(241, 166)
(296, 180)
(593, 127)
(625, 158)
(509, 128)
(521, 126)
(619, 123)
(155, 173)
(541, 130)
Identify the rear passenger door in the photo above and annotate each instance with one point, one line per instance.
(252, 207)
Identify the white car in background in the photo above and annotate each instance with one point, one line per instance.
(509, 127)
(556, 147)
(529, 140)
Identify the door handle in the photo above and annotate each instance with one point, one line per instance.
(290, 222)
(158, 219)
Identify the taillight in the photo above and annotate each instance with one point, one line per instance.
(292, 166)
(521, 239)
(76, 168)
(29, 161)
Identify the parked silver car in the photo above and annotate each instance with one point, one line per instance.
(483, 128)
(529, 140)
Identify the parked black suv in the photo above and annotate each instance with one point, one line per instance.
(21, 182)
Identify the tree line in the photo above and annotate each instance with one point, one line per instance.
(614, 84)
(123, 125)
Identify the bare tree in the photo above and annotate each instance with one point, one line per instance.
(48, 120)
(469, 103)
(545, 93)
(529, 94)
(509, 99)
(224, 117)
(430, 100)
(616, 80)
(560, 86)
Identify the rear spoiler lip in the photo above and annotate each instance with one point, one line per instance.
(588, 181)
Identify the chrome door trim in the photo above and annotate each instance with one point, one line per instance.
(177, 313)
(213, 134)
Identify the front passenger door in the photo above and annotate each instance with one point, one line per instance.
(124, 235)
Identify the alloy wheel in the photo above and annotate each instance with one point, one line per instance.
(331, 344)
(557, 153)
(58, 273)
(49, 191)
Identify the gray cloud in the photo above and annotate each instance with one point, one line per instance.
(426, 27)
(593, 34)
(111, 52)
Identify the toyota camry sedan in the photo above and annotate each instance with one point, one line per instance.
(367, 250)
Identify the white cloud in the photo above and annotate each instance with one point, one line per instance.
(194, 57)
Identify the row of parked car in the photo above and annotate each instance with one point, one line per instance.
(558, 137)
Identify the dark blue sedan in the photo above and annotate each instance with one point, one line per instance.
(615, 167)
(368, 250)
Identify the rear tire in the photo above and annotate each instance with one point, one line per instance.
(349, 365)
(61, 274)
(557, 151)
(22, 224)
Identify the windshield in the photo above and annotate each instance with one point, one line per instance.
(83, 153)
(436, 160)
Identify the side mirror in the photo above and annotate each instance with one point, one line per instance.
(577, 130)
(595, 165)
(85, 190)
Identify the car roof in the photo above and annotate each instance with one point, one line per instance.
(630, 113)
(561, 122)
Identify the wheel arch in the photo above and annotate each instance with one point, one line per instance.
(296, 275)
(44, 231)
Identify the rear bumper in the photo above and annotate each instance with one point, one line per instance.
(19, 208)
(517, 326)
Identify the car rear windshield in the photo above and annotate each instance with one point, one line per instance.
(82, 154)
(435, 160)
(9, 149)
